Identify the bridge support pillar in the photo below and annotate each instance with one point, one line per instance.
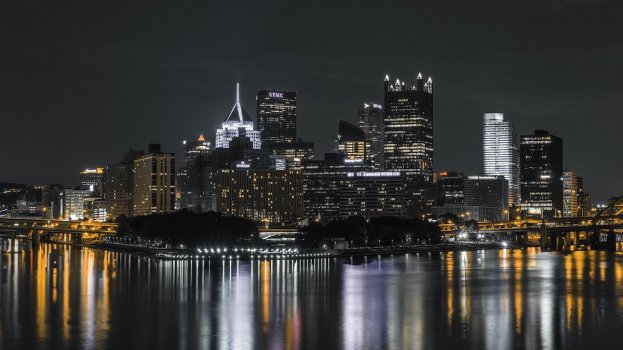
(611, 242)
(36, 238)
(77, 238)
(544, 237)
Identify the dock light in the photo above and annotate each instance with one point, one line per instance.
(211, 250)
(218, 250)
(504, 244)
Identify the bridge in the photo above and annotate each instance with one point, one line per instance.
(55, 230)
(602, 231)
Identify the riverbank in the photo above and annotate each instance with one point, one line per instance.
(248, 254)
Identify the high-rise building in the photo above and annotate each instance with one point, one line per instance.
(321, 185)
(501, 152)
(94, 180)
(408, 144)
(120, 186)
(541, 166)
(293, 152)
(351, 141)
(154, 182)
(373, 194)
(276, 115)
(237, 125)
(53, 202)
(195, 180)
(488, 192)
(370, 118)
(450, 188)
(74, 202)
(270, 197)
(575, 198)
(408, 128)
(95, 209)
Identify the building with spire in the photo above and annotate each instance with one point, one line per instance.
(370, 117)
(237, 125)
(408, 138)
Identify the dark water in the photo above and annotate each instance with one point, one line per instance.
(59, 297)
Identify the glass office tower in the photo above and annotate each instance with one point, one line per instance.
(501, 152)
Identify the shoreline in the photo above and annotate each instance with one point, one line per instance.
(177, 254)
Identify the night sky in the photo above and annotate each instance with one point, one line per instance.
(82, 82)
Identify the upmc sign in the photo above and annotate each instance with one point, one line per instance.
(274, 94)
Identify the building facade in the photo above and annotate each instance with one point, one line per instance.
(500, 149)
(94, 180)
(237, 125)
(488, 192)
(351, 141)
(373, 194)
(408, 128)
(276, 115)
(74, 202)
(408, 139)
(154, 182)
(120, 186)
(293, 152)
(541, 162)
(321, 185)
(370, 116)
(450, 189)
(268, 197)
(576, 200)
(195, 180)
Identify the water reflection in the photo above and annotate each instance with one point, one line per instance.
(62, 297)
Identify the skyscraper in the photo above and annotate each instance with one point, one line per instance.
(237, 124)
(351, 141)
(575, 198)
(276, 115)
(120, 186)
(93, 179)
(541, 174)
(408, 130)
(500, 151)
(154, 182)
(370, 118)
(272, 197)
(195, 180)
(373, 194)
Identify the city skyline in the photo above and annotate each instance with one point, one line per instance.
(92, 75)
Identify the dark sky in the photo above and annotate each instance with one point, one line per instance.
(82, 81)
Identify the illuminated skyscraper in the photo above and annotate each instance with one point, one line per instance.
(351, 141)
(120, 186)
(408, 130)
(541, 175)
(276, 115)
(370, 118)
(237, 124)
(195, 180)
(154, 182)
(501, 152)
(93, 179)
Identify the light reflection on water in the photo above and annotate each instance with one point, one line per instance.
(62, 297)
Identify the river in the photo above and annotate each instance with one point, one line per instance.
(64, 297)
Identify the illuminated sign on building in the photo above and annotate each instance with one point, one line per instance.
(274, 94)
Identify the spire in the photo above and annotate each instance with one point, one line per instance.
(238, 114)
(238, 102)
(419, 76)
(386, 77)
(201, 138)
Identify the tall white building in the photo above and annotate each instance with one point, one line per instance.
(237, 124)
(501, 152)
